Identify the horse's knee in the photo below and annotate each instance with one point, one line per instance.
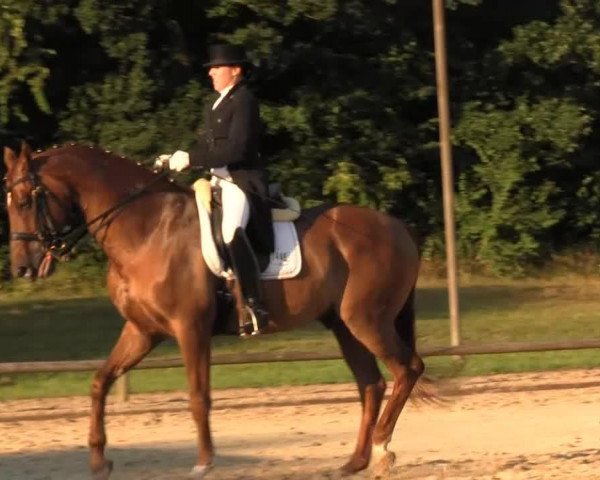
(99, 387)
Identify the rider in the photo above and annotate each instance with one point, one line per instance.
(229, 147)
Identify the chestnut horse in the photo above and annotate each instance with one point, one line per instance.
(358, 276)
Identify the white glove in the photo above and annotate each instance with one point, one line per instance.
(161, 160)
(179, 160)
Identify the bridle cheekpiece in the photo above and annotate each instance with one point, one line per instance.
(54, 241)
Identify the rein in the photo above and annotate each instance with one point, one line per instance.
(59, 245)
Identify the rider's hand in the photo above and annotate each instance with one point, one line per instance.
(161, 161)
(179, 160)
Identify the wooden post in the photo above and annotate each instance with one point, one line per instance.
(446, 161)
(122, 388)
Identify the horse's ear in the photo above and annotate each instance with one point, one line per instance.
(10, 159)
(25, 151)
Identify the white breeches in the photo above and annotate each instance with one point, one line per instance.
(236, 209)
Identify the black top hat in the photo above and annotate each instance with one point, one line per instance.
(227, 55)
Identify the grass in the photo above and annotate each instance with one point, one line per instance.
(58, 320)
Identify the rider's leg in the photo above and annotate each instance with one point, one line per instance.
(235, 218)
(247, 273)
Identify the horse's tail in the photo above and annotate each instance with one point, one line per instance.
(405, 321)
(426, 389)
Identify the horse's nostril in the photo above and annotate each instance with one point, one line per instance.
(21, 271)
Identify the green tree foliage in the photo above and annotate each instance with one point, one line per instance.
(563, 59)
(508, 200)
(23, 68)
(528, 189)
(136, 106)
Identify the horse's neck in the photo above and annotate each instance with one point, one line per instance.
(102, 186)
(99, 190)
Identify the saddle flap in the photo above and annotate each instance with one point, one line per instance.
(284, 262)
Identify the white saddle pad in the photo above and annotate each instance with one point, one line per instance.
(285, 262)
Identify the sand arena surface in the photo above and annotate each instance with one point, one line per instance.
(521, 426)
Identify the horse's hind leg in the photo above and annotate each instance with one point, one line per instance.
(392, 339)
(401, 358)
(406, 366)
(130, 348)
(371, 387)
(406, 369)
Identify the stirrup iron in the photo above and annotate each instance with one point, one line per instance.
(253, 327)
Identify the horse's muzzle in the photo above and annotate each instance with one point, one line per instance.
(42, 267)
(25, 272)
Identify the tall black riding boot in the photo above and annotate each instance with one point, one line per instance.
(247, 274)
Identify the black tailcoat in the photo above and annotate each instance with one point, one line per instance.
(231, 138)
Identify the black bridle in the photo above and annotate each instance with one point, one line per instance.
(47, 233)
(60, 243)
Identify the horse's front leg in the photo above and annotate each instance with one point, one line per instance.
(194, 342)
(130, 348)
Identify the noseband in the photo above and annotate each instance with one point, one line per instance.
(53, 241)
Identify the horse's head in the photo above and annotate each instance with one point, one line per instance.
(39, 209)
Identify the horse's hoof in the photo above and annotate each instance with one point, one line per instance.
(384, 465)
(199, 471)
(103, 473)
(354, 465)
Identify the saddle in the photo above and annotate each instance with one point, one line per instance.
(284, 261)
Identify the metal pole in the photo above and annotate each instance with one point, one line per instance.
(446, 161)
